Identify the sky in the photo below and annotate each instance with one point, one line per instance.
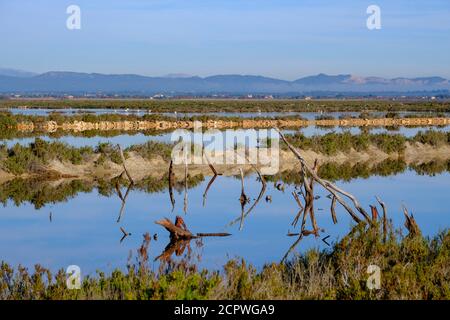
(285, 39)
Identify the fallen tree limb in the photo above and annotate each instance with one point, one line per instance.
(334, 190)
(179, 231)
(124, 164)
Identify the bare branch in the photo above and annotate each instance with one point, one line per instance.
(124, 164)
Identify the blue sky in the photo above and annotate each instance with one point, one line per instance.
(279, 38)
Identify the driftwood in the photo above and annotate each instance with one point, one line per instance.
(178, 230)
(411, 223)
(334, 190)
(383, 206)
(302, 208)
(124, 164)
(125, 234)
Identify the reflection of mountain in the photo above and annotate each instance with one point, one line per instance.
(73, 82)
(42, 192)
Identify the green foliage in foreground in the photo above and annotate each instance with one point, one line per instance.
(412, 267)
(21, 159)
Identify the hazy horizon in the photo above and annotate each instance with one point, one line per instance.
(182, 75)
(283, 39)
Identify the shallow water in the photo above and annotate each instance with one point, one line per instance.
(140, 112)
(128, 139)
(84, 230)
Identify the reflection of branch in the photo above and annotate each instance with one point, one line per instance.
(205, 194)
(178, 230)
(185, 187)
(171, 184)
(174, 246)
(124, 165)
(123, 198)
(261, 194)
(302, 208)
(243, 199)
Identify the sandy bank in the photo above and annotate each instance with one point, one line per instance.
(79, 126)
(140, 168)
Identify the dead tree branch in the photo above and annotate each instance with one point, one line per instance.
(383, 206)
(334, 190)
(411, 223)
(124, 164)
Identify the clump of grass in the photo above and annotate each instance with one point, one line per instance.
(108, 151)
(20, 159)
(388, 143)
(332, 143)
(151, 149)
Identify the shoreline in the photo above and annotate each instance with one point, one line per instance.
(141, 125)
(156, 167)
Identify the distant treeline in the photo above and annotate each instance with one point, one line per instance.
(236, 105)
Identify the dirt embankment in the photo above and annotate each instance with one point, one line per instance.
(140, 168)
(78, 126)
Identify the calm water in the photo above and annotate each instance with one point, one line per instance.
(306, 115)
(126, 140)
(84, 230)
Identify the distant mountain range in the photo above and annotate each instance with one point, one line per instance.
(16, 81)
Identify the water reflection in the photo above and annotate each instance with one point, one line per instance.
(84, 230)
(131, 138)
(140, 112)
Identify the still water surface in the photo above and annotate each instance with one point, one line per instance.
(84, 230)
